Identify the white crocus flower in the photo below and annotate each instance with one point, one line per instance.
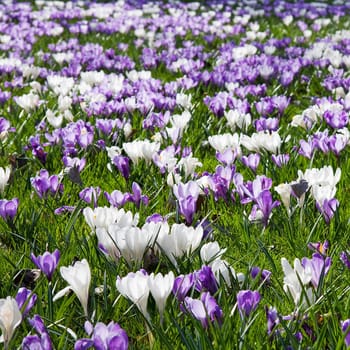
(10, 318)
(137, 150)
(236, 118)
(296, 281)
(78, 276)
(181, 240)
(102, 217)
(161, 287)
(284, 190)
(54, 121)
(132, 242)
(4, 177)
(134, 286)
(28, 102)
(224, 141)
(222, 269)
(210, 252)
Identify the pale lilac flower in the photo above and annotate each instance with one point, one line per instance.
(280, 159)
(319, 267)
(103, 337)
(204, 309)
(251, 161)
(90, 194)
(117, 198)
(247, 302)
(47, 262)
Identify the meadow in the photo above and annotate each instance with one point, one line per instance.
(174, 175)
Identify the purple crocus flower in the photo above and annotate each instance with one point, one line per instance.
(205, 279)
(247, 302)
(155, 218)
(264, 274)
(328, 208)
(64, 209)
(344, 257)
(41, 341)
(336, 119)
(204, 309)
(103, 337)
(47, 262)
(272, 319)
(251, 161)
(265, 203)
(345, 327)
(122, 164)
(136, 196)
(43, 183)
(8, 208)
(182, 285)
(26, 298)
(227, 157)
(187, 195)
(280, 159)
(117, 198)
(90, 194)
(318, 265)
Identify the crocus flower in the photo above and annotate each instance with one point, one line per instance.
(204, 308)
(41, 340)
(10, 318)
(4, 178)
(8, 208)
(103, 337)
(296, 280)
(182, 285)
(122, 164)
(205, 279)
(272, 319)
(264, 274)
(47, 262)
(345, 327)
(90, 194)
(26, 298)
(137, 197)
(247, 302)
(345, 258)
(210, 252)
(160, 287)
(78, 277)
(319, 267)
(134, 286)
